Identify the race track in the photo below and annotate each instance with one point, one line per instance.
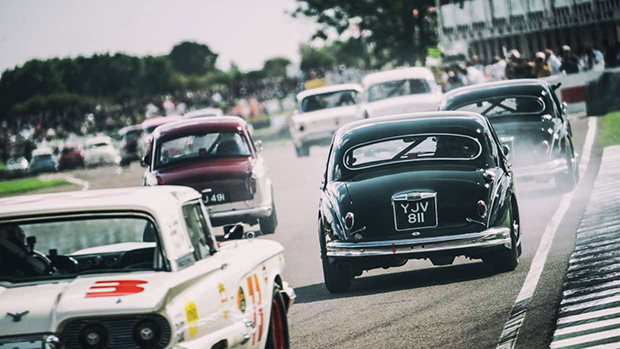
(419, 305)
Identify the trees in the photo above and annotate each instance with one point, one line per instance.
(192, 58)
(400, 30)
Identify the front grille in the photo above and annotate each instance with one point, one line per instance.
(120, 330)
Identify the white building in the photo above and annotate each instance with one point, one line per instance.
(488, 27)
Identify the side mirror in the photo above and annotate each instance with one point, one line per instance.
(506, 151)
(258, 145)
(146, 160)
(564, 108)
(556, 86)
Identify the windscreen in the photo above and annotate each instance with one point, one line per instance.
(397, 88)
(67, 247)
(328, 100)
(502, 106)
(412, 148)
(203, 146)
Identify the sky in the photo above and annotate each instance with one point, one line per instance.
(246, 32)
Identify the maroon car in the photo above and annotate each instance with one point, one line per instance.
(217, 157)
(71, 156)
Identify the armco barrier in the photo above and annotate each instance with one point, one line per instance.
(573, 89)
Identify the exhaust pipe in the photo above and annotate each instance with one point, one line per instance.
(343, 267)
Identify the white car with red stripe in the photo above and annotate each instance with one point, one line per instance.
(134, 268)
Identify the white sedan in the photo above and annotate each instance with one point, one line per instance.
(399, 91)
(134, 268)
(322, 111)
(101, 151)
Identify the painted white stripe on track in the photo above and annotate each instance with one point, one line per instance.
(590, 304)
(509, 335)
(588, 316)
(614, 283)
(588, 326)
(588, 296)
(586, 338)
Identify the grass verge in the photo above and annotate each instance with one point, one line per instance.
(611, 129)
(18, 186)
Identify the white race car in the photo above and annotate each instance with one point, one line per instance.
(101, 151)
(320, 112)
(399, 91)
(134, 268)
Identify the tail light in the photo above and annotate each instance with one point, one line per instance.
(147, 334)
(160, 180)
(482, 209)
(94, 336)
(349, 219)
(546, 146)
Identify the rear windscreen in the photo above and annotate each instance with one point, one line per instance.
(501, 106)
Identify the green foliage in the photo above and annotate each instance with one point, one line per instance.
(18, 186)
(315, 59)
(192, 58)
(276, 67)
(611, 129)
(400, 30)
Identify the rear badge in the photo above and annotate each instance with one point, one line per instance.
(416, 233)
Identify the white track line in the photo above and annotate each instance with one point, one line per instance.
(508, 339)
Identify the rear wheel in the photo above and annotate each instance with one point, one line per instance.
(507, 259)
(566, 182)
(278, 337)
(336, 281)
(268, 225)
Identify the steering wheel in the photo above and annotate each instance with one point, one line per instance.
(137, 258)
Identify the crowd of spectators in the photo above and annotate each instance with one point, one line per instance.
(542, 64)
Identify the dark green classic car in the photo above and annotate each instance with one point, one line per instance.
(416, 186)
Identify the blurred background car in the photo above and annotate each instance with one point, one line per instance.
(148, 126)
(398, 91)
(101, 151)
(71, 156)
(17, 167)
(43, 161)
(321, 111)
(203, 112)
(130, 136)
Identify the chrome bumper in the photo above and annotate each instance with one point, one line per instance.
(489, 238)
(259, 212)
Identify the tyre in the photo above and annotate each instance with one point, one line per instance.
(566, 182)
(302, 151)
(335, 281)
(507, 259)
(278, 336)
(268, 225)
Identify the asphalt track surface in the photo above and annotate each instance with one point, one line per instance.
(465, 305)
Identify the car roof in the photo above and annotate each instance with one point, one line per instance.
(200, 125)
(160, 120)
(463, 95)
(150, 199)
(203, 112)
(397, 74)
(42, 151)
(328, 89)
(99, 139)
(367, 130)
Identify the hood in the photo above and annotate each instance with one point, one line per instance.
(325, 114)
(230, 174)
(404, 104)
(458, 188)
(50, 303)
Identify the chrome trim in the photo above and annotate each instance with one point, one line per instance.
(488, 238)
(389, 162)
(290, 294)
(263, 212)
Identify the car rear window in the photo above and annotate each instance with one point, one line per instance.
(412, 148)
(398, 88)
(502, 106)
(328, 100)
(192, 147)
